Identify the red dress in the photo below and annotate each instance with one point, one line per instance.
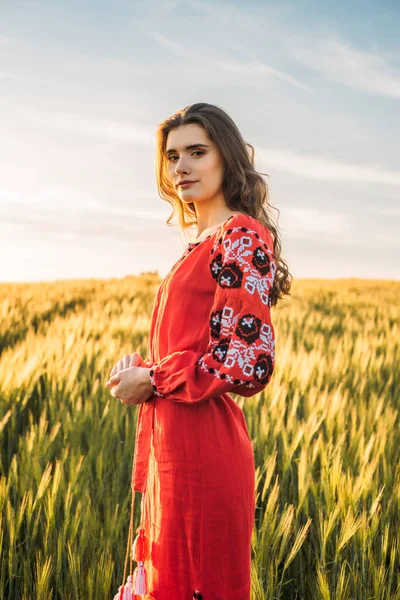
(210, 334)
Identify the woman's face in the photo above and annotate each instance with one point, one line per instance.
(202, 164)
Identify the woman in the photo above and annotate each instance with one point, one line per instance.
(210, 334)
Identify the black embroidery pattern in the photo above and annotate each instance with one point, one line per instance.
(241, 349)
(221, 350)
(245, 348)
(228, 276)
(263, 368)
(215, 323)
(261, 261)
(248, 328)
(245, 261)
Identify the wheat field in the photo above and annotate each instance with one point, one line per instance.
(325, 435)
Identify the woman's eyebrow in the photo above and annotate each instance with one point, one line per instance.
(190, 147)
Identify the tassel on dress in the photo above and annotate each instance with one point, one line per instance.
(135, 587)
(125, 592)
(140, 553)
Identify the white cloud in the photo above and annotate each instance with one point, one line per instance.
(301, 221)
(125, 132)
(388, 211)
(19, 77)
(323, 168)
(254, 67)
(53, 211)
(6, 40)
(388, 239)
(73, 214)
(56, 201)
(319, 49)
(359, 69)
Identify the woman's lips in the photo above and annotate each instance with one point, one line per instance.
(187, 184)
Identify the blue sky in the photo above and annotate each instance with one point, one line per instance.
(313, 86)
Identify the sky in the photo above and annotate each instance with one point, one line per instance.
(313, 86)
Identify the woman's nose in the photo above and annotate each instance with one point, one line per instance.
(181, 166)
(181, 169)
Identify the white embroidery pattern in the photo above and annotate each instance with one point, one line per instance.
(241, 252)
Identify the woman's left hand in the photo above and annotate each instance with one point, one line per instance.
(131, 385)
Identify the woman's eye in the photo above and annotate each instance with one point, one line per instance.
(195, 152)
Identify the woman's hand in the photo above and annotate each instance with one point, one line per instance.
(129, 381)
(128, 360)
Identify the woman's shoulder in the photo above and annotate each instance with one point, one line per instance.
(241, 222)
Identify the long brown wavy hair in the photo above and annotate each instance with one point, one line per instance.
(243, 187)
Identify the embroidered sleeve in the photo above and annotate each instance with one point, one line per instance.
(240, 353)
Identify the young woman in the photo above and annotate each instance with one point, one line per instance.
(210, 335)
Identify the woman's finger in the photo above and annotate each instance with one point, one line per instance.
(114, 380)
(127, 360)
(136, 360)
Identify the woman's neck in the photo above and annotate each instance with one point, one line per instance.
(211, 228)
